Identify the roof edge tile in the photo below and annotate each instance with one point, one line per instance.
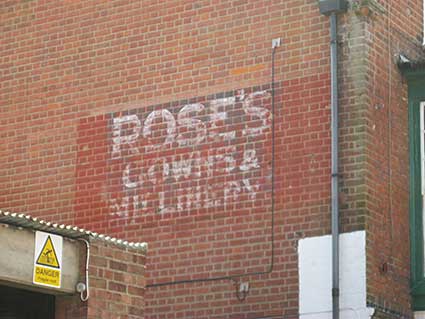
(69, 231)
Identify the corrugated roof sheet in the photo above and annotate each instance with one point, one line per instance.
(74, 232)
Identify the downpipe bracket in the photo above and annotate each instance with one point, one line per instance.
(335, 292)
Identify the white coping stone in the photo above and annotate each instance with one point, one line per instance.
(315, 277)
(419, 314)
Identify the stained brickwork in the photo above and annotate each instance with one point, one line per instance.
(374, 139)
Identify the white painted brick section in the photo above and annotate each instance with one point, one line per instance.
(315, 277)
(420, 315)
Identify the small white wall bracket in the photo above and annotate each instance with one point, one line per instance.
(244, 287)
(276, 43)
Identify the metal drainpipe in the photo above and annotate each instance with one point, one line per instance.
(334, 168)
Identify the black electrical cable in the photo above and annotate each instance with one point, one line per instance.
(234, 277)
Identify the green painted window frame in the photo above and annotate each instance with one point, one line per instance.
(416, 85)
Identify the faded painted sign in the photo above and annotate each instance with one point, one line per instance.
(198, 155)
(191, 177)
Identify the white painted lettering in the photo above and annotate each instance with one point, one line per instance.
(190, 125)
(263, 114)
(206, 175)
(125, 131)
(250, 160)
(149, 123)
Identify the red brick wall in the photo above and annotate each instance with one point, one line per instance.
(374, 141)
(116, 285)
(398, 30)
(70, 307)
(71, 69)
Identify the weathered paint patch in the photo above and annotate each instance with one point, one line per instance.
(196, 171)
(198, 154)
(248, 69)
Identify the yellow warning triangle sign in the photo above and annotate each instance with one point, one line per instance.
(47, 255)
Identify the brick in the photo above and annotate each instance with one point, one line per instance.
(67, 76)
